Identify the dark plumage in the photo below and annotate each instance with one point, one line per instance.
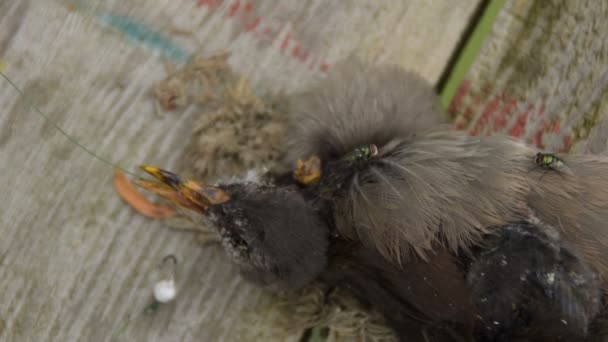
(427, 299)
(530, 285)
(272, 234)
(419, 230)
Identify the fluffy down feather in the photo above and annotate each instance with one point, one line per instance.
(358, 103)
(449, 188)
(442, 188)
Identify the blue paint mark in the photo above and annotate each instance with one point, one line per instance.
(142, 34)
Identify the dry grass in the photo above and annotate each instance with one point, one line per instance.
(337, 311)
(236, 130)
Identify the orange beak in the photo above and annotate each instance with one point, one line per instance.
(184, 193)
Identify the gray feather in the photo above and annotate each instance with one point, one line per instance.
(445, 187)
(441, 188)
(358, 103)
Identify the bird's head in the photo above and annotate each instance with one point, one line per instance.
(274, 236)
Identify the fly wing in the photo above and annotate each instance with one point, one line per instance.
(563, 168)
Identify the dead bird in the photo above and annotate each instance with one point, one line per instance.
(451, 187)
(404, 225)
(430, 186)
(520, 277)
(280, 239)
(507, 285)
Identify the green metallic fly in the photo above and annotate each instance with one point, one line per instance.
(361, 153)
(550, 161)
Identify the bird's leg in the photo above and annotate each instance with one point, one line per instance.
(308, 172)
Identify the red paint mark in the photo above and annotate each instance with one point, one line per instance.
(285, 42)
(516, 131)
(469, 113)
(520, 125)
(490, 109)
(499, 123)
(497, 111)
(234, 8)
(556, 127)
(461, 92)
(541, 112)
(538, 139)
(510, 109)
(267, 33)
(248, 7)
(297, 50)
(251, 26)
(209, 3)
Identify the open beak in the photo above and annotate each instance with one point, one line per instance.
(185, 193)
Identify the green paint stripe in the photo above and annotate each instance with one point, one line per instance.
(470, 51)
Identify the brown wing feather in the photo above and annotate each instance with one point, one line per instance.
(448, 187)
(443, 187)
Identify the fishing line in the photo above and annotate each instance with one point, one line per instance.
(66, 134)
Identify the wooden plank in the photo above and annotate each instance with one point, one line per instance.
(541, 76)
(77, 263)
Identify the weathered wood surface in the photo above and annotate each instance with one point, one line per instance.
(75, 262)
(542, 76)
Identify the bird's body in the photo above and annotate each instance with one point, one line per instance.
(419, 225)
